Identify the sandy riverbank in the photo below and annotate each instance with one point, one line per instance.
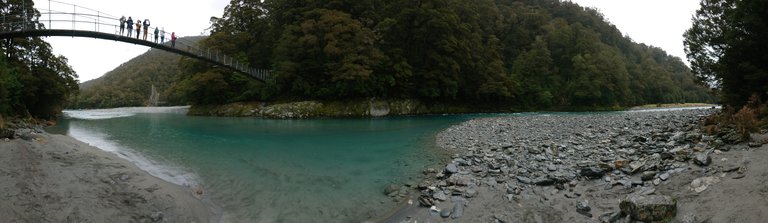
(55, 178)
(579, 169)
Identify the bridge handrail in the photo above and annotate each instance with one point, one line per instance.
(112, 23)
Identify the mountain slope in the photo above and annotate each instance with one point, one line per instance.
(130, 84)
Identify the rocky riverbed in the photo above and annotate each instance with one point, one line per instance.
(602, 167)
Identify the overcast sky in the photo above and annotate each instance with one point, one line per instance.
(659, 23)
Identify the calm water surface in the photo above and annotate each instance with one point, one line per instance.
(255, 170)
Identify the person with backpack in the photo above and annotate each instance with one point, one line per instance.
(173, 39)
(138, 28)
(129, 23)
(157, 31)
(146, 28)
(122, 25)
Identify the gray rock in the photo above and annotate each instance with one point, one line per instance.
(440, 196)
(445, 213)
(582, 207)
(391, 188)
(592, 172)
(524, 180)
(611, 217)
(451, 168)
(426, 201)
(636, 166)
(469, 193)
(648, 175)
(656, 181)
(458, 210)
(157, 216)
(458, 179)
(649, 208)
(664, 176)
(552, 167)
(702, 159)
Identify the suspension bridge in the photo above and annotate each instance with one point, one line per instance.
(85, 22)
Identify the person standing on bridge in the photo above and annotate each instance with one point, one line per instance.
(138, 28)
(146, 28)
(173, 39)
(157, 31)
(122, 25)
(162, 35)
(129, 23)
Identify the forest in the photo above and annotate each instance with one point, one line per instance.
(33, 81)
(522, 54)
(529, 54)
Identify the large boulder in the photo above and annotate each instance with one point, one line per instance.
(649, 208)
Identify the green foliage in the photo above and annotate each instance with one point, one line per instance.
(726, 47)
(131, 83)
(33, 81)
(526, 54)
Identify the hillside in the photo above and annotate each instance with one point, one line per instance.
(130, 84)
(487, 54)
(520, 54)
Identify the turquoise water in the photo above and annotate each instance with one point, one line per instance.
(255, 170)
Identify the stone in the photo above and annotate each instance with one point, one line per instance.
(469, 193)
(458, 210)
(649, 208)
(592, 172)
(702, 159)
(611, 217)
(619, 164)
(552, 167)
(451, 168)
(440, 196)
(445, 213)
(458, 179)
(524, 180)
(656, 181)
(635, 166)
(701, 184)
(664, 176)
(582, 207)
(648, 175)
(391, 188)
(157, 216)
(426, 201)
(434, 211)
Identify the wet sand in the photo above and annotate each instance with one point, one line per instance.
(55, 178)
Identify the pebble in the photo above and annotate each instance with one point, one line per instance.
(451, 168)
(533, 151)
(582, 207)
(664, 176)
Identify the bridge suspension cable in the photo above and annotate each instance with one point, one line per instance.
(86, 22)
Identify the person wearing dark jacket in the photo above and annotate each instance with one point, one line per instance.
(129, 24)
(146, 28)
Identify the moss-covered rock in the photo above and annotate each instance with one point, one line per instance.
(316, 109)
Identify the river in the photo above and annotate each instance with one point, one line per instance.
(258, 170)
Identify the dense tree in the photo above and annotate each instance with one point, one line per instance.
(726, 47)
(528, 54)
(34, 81)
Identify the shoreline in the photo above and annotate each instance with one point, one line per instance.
(55, 178)
(498, 175)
